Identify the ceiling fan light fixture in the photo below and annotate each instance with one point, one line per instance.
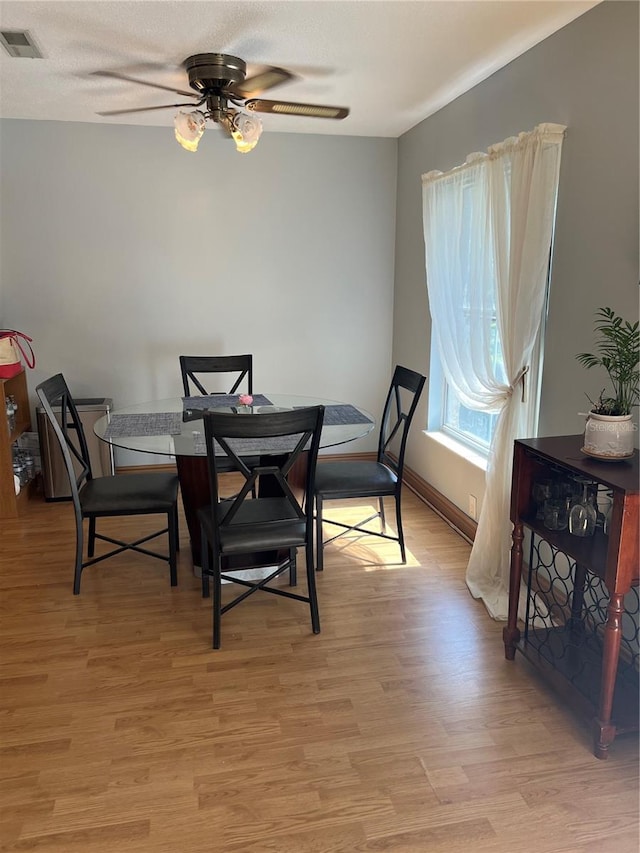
(245, 131)
(189, 128)
(219, 80)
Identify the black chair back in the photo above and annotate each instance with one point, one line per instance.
(232, 438)
(277, 521)
(368, 479)
(399, 409)
(190, 365)
(153, 493)
(54, 394)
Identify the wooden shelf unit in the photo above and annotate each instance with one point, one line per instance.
(10, 503)
(612, 558)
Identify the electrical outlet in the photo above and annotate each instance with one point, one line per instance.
(473, 506)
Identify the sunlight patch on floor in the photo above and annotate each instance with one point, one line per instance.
(374, 553)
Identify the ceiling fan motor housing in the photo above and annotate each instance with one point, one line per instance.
(210, 71)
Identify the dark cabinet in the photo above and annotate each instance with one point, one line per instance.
(581, 625)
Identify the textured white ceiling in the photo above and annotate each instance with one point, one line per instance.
(393, 62)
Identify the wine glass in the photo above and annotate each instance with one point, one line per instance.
(542, 491)
(583, 515)
(555, 514)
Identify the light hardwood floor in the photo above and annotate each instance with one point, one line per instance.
(400, 727)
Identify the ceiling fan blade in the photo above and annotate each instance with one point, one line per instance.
(257, 83)
(117, 76)
(144, 109)
(258, 105)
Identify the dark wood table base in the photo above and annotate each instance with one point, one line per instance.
(193, 472)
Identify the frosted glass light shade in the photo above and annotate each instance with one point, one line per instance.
(246, 131)
(189, 128)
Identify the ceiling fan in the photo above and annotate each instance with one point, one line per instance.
(218, 80)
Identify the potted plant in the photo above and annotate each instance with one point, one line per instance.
(609, 429)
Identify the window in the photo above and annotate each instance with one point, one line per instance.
(469, 425)
(463, 223)
(488, 233)
(448, 415)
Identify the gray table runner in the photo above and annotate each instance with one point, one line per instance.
(333, 416)
(249, 446)
(344, 413)
(170, 423)
(145, 423)
(222, 401)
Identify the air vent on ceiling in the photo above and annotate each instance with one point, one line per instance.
(19, 44)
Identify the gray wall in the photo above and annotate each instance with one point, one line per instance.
(584, 76)
(121, 251)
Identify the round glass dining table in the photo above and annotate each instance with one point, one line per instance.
(174, 428)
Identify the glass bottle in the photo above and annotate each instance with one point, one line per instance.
(583, 515)
(18, 468)
(29, 465)
(541, 492)
(11, 415)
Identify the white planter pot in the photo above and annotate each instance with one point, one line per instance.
(609, 436)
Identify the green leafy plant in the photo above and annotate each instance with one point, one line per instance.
(618, 351)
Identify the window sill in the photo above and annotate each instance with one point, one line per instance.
(457, 447)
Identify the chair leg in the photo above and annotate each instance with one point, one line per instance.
(319, 545)
(383, 521)
(172, 526)
(293, 567)
(217, 600)
(204, 557)
(91, 541)
(77, 575)
(403, 553)
(313, 594)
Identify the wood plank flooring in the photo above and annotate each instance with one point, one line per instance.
(400, 727)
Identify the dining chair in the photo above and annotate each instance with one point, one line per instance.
(377, 479)
(242, 365)
(244, 532)
(153, 493)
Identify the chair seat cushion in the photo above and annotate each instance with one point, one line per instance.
(128, 494)
(261, 524)
(354, 479)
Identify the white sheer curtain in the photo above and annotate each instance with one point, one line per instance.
(488, 226)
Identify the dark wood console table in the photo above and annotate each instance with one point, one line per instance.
(579, 646)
